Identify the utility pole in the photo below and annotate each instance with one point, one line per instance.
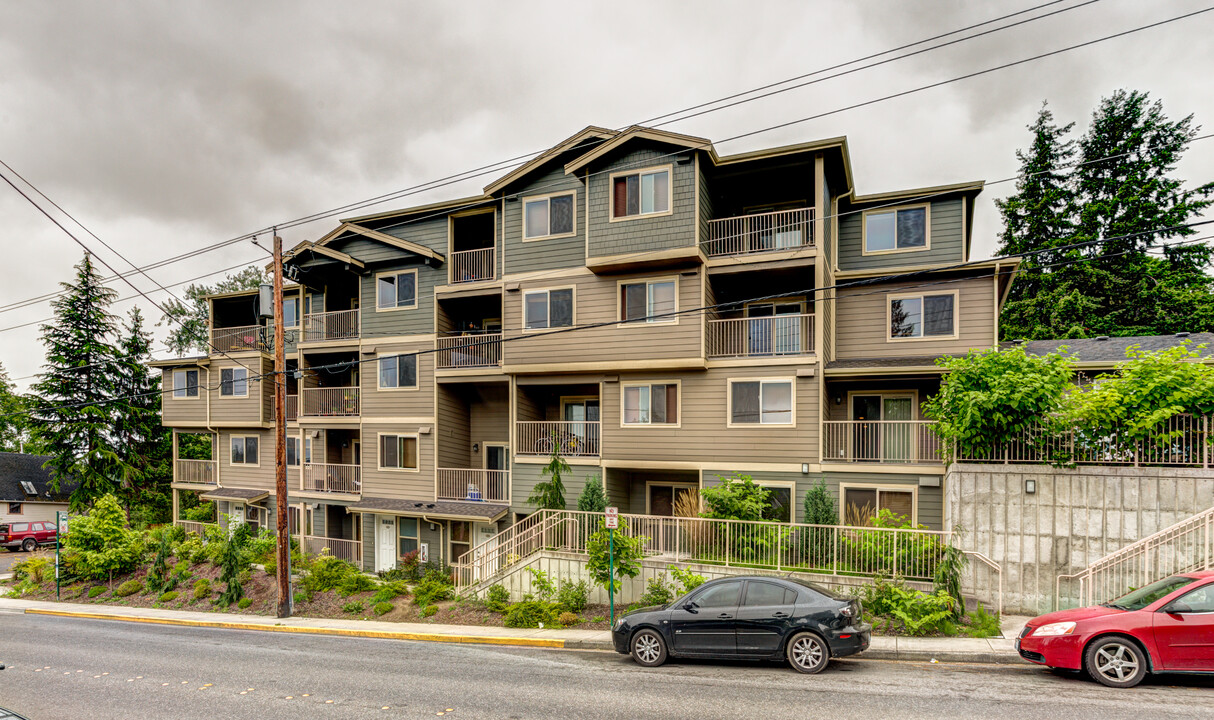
(280, 439)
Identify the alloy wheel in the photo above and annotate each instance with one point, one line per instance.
(807, 652)
(647, 648)
(1116, 662)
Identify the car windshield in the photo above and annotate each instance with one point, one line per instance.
(1144, 596)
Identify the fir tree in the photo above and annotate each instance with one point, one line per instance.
(594, 497)
(14, 431)
(143, 444)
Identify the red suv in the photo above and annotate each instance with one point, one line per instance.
(27, 535)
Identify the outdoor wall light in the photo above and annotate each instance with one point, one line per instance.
(476, 447)
(1030, 486)
(838, 400)
(804, 468)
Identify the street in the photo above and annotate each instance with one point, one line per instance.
(69, 668)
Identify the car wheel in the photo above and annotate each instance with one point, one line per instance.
(1116, 662)
(807, 653)
(648, 648)
(29, 545)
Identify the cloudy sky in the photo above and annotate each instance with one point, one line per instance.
(165, 127)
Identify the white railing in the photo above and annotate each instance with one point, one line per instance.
(896, 442)
(459, 484)
(234, 339)
(331, 402)
(194, 472)
(1181, 441)
(348, 550)
(332, 478)
(292, 408)
(472, 265)
(336, 325)
(576, 439)
(469, 351)
(1186, 546)
(761, 336)
(197, 528)
(761, 232)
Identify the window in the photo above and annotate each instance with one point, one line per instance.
(894, 230)
(461, 539)
(185, 383)
(15, 509)
(20, 527)
(396, 290)
(398, 371)
(234, 382)
(1200, 600)
(550, 216)
(308, 450)
(407, 530)
(765, 593)
(725, 595)
(761, 402)
(779, 503)
(651, 404)
(864, 502)
(290, 312)
(641, 193)
(922, 316)
(244, 450)
(292, 451)
(651, 301)
(398, 452)
(548, 308)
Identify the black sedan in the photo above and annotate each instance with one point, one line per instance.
(747, 617)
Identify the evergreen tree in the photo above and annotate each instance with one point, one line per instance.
(72, 414)
(142, 442)
(14, 431)
(594, 497)
(187, 321)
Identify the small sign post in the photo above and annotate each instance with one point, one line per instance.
(612, 522)
(60, 530)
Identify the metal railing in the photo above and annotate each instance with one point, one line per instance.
(348, 550)
(575, 438)
(760, 232)
(459, 484)
(761, 336)
(1180, 441)
(469, 351)
(332, 478)
(234, 339)
(194, 472)
(896, 442)
(330, 402)
(472, 265)
(292, 408)
(197, 528)
(336, 325)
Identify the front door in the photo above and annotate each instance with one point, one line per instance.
(762, 617)
(495, 457)
(774, 328)
(1186, 639)
(385, 542)
(881, 432)
(709, 627)
(578, 416)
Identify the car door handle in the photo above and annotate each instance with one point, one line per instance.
(725, 616)
(779, 614)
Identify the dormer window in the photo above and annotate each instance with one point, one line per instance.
(896, 230)
(644, 192)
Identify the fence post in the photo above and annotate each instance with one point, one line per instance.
(727, 543)
(896, 534)
(1205, 441)
(834, 563)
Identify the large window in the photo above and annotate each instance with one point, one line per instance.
(761, 402)
(407, 530)
(397, 371)
(779, 503)
(293, 451)
(290, 312)
(651, 301)
(550, 216)
(656, 404)
(234, 382)
(398, 452)
(461, 539)
(396, 290)
(185, 383)
(548, 308)
(922, 316)
(244, 450)
(646, 192)
(861, 503)
(897, 229)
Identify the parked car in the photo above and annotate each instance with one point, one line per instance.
(1165, 627)
(27, 535)
(747, 617)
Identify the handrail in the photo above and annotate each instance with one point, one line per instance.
(332, 478)
(331, 402)
(234, 339)
(469, 351)
(472, 484)
(998, 570)
(576, 438)
(195, 472)
(473, 265)
(771, 335)
(760, 232)
(899, 442)
(334, 325)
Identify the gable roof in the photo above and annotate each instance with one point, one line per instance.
(385, 238)
(565, 145)
(17, 469)
(1110, 351)
(634, 133)
(309, 246)
(416, 209)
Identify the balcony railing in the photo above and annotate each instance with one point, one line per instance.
(235, 339)
(348, 550)
(894, 442)
(331, 402)
(194, 472)
(332, 478)
(761, 232)
(336, 325)
(472, 265)
(761, 336)
(292, 409)
(197, 528)
(469, 351)
(486, 485)
(576, 439)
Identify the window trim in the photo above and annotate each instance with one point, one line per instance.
(619, 313)
(299, 310)
(523, 308)
(505, 446)
(611, 217)
(791, 485)
(729, 423)
(20, 508)
(173, 385)
(649, 383)
(379, 451)
(298, 443)
(927, 229)
(415, 538)
(889, 315)
(244, 464)
(417, 291)
(880, 487)
(234, 394)
(547, 196)
(417, 374)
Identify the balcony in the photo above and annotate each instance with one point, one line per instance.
(890, 442)
(236, 339)
(336, 325)
(349, 550)
(771, 336)
(194, 472)
(760, 233)
(331, 402)
(332, 478)
(477, 350)
(484, 485)
(292, 409)
(576, 439)
(473, 265)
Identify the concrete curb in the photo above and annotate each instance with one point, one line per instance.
(947, 656)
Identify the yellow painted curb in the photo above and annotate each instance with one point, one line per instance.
(423, 637)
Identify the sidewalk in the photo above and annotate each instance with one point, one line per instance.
(963, 650)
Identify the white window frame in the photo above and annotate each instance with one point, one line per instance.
(912, 489)
(668, 169)
(791, 485)
(505, 446)
(546, 291)
(648, 385)
(417, 377)
(231, 439)
(379, 450)
(547, 198)
(927, 229)
(619, 301)
(417, 291)
(762, 381)
(185, 388)
(298, 303)
(234, 382)
(674, 486)
(889, 316)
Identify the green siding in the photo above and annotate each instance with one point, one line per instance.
(566, 252)
(415, 321)
(645, 234)
(946, 238)
(524, 476)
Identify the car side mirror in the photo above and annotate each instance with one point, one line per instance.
(1177, 608)
(691, 607)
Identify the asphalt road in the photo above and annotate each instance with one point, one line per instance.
(70, 668)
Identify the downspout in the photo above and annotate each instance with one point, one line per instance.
(442, 545)
(213, 431)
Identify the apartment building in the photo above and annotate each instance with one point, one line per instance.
(666, 315)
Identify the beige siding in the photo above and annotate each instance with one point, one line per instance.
(397, 402)
(260, 476)
(32, 512)
(454, 420)
(243, 410)
(490, 419)
(397, 483)
(862, 317)
(183, 412)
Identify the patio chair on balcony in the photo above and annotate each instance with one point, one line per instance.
(474, 493)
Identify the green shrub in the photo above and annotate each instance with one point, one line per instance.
(130, 587)
(97, 591)
(190, 551)
(356, 583)
(244, 576)
(542, 586)
(159, 578)
(735, 498)
(244, 603)
(302, 597)
(353, 608)
(432, 589)
(594, 497)
(573, 595)
(35, 569)
(657, 592)
(203, 512)
(169, 596)
(390, 591)
(532, 613)
(947, 578)
(382, 608)
(408, 567)
(100, 545)
(328, 573)
(917, 613)
(430, 611)
(497, 598)
(624, 553)
(233, 565)
(567, 618)
(685, 577)
(597, 619)
(271, 567)
(202, 589)
(982, 624)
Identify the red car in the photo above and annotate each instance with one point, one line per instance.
(27, 535)
(1165, 627)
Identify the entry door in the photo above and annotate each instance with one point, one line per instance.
(876, 437)
(385, 542)
(357, 448)
(710, 626)
(579, 412)
(771, 332)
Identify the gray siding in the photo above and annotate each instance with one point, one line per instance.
(524, 477)
(946, 238)
(642, 234)
(554, 254)
(397, 402)
(410, 321)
